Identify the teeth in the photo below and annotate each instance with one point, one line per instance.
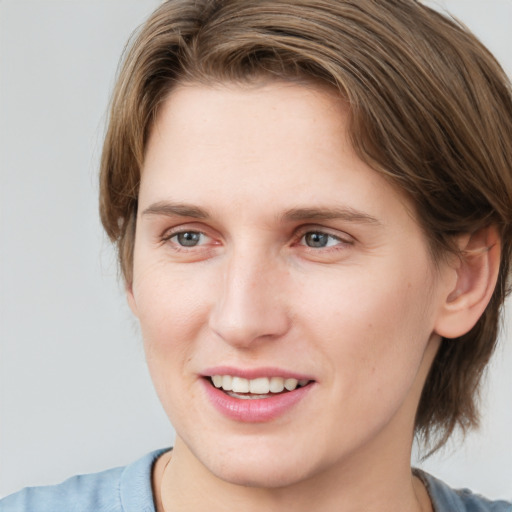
(240, 385)
(276, 384)
(290, 384)
(227, 382)
(247, 396)
(258, 386)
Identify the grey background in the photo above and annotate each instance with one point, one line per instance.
(75, 395)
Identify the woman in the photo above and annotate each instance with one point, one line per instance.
(312, 206)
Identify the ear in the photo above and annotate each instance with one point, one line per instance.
(476, 275)
(131, 298)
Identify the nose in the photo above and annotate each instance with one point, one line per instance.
(250, 305)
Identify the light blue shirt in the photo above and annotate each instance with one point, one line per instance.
(125, 489)
(128, 489)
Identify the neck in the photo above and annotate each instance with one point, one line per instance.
(359, 485)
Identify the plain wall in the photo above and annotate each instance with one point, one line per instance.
(75, 395)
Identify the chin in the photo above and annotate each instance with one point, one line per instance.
(263, 466)
(268, 475)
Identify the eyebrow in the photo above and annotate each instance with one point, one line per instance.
(176, 209)
(170, 209)
(345, 213)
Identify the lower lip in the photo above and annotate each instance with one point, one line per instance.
(255, 410)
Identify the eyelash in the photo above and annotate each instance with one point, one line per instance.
(322, 233)
(177, 246)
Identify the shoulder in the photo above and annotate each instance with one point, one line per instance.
(446, 499)
(123, 489)
(99, 491)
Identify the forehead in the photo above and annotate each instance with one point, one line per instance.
(241, 120)
(240, 145)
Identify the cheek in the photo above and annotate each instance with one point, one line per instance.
(172, 298)
(172, 308)
(171, 318)
(373, 327)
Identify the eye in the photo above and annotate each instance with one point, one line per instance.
(319, 240)
(188, 238)
(188, 244)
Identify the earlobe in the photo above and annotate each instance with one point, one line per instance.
(476, 276)
(131, 298)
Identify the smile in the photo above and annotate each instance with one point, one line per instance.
(261, 387)
(257, 399)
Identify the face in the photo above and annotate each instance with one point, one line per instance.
(272, 262)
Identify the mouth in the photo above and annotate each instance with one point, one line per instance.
(258, 388)
(256, 395)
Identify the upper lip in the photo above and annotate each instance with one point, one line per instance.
(254, 373)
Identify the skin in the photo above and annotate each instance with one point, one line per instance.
(361, 315)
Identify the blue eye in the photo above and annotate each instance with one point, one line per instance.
(319, 240)
(188, 238)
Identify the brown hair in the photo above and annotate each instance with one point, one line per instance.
(430, 107)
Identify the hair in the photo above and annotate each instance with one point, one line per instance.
(430, 109)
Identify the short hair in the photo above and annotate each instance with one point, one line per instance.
(430, 110)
